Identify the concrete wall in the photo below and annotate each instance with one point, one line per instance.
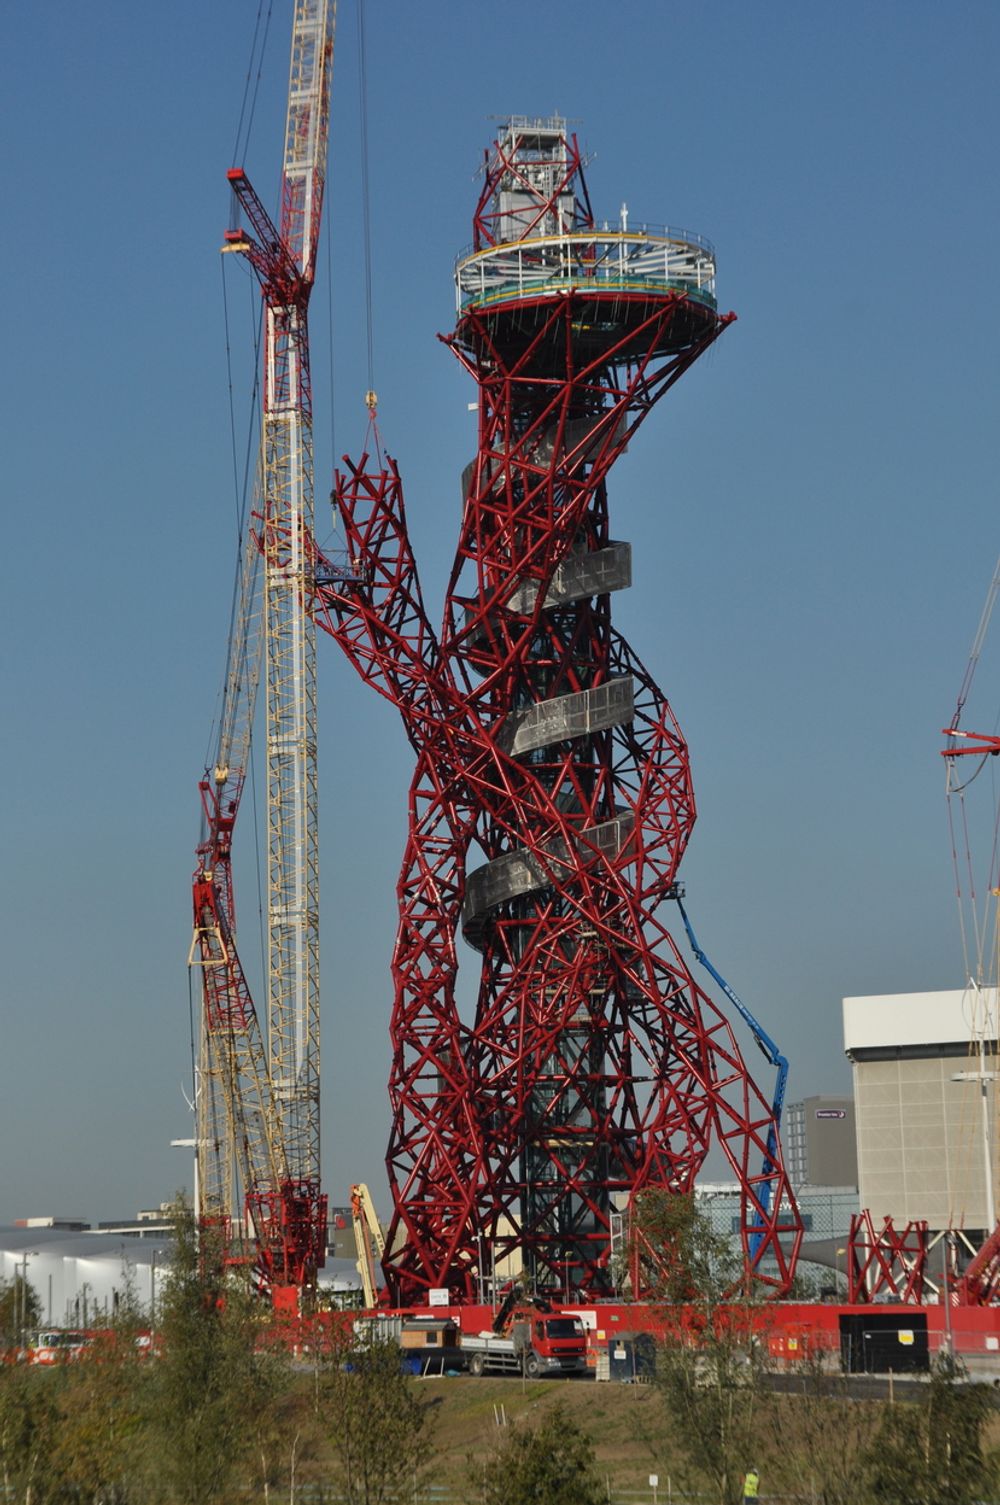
(920, 1139)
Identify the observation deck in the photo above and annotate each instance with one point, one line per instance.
(617, 279)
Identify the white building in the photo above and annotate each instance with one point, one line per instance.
(925, 1103)
(80, 1277)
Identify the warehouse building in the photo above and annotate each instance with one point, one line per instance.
(926, 1105)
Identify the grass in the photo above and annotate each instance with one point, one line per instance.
(465, 1412)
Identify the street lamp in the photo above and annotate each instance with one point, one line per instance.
(191, 1144)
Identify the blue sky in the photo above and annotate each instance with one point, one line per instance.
(813, 509)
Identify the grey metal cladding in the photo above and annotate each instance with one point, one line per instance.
(517, 873)
(579, 577)
(568, 716)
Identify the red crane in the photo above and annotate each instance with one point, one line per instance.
(258, 1101)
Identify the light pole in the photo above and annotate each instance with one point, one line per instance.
(945, 1290)
(482, 1273)
(23, 1293)
(984, 1077)
(152, 1289)
(983, 1027)
(191, 1144)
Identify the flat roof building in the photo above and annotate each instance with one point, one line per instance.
(820, 1142)
(926, 1103)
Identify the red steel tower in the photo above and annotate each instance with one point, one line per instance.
(552, 796)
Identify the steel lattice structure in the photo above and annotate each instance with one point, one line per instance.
(552, 797)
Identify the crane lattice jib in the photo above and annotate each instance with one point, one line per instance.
(293, 852)
(306, 131)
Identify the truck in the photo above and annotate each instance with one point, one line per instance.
(534, 1343)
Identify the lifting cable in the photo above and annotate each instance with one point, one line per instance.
(977, 645)
(248, 106)
(241, 486)
(371, 400)
(249, 102)
(244, 483)
(965, 885)
(328, 238)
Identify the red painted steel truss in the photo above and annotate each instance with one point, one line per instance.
(979, 1284)
(549, 809)
(891, 1262)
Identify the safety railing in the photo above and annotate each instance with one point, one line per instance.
(599, 262)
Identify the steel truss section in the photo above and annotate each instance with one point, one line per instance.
(552, 797)
(891, 1262)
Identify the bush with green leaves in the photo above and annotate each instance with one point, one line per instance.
(20, 1311)
(29, 1428)
(711, 1364)
(377, 1426)
(933, 1452)
(213, 1388)
(550, 1462)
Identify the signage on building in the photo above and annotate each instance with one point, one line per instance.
(831, 1112)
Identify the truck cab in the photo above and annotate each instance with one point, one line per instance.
(549, 1343)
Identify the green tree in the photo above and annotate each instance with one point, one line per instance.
(933, 1452)
(550, 1463)
(711, 1363)
(20, 1311)
(29, 1423)
(212, 1390)
(683, 1258)
(376, 1425)
(99, 1446)
(821, 1438)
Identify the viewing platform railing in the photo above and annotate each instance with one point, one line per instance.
(597, 261)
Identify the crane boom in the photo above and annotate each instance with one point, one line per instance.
(232, 1066)
(367, 1232)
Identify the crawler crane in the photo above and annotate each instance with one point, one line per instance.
(258, 1100)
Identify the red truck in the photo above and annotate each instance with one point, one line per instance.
(532, 1342)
